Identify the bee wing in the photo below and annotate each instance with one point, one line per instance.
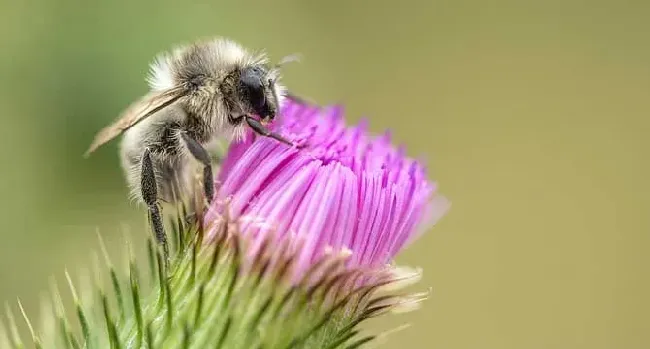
(136, 112)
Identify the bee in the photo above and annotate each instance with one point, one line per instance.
(199, 92)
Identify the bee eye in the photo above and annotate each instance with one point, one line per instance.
(252, 87)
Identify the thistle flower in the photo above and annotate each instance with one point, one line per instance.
(342, 190)
(294, 252)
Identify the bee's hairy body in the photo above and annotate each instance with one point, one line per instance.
(160, 134)
(199, 92)
(214, 106)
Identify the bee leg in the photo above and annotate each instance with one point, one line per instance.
(150, 197)
(260, 129)
(200, 154)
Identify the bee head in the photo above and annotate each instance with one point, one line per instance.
(257, 92)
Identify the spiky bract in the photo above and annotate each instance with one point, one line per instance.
(214, 296)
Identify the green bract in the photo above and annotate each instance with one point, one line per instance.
(213, 296)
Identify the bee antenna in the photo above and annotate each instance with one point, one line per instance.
(278, 66)
(296, 57)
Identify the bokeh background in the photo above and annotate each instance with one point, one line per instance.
(533, 116)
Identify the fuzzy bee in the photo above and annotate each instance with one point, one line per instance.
(199, 92)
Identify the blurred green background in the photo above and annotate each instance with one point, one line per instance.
(533, 117)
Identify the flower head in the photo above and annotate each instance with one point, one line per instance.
(340, 190)
(270, 275)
